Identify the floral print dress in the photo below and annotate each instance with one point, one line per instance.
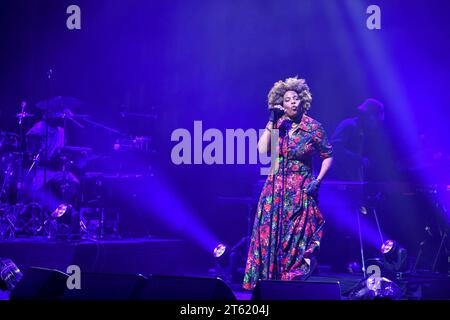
(288, 224)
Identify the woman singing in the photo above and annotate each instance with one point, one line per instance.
(288, 224)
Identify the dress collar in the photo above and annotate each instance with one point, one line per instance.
(305, 123)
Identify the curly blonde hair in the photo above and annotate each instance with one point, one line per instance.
(279, 88)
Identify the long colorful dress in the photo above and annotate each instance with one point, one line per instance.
(288, 224)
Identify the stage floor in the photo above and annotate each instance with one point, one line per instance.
(125, 256)
(174, 257)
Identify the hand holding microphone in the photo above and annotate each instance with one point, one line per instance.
(276, 112)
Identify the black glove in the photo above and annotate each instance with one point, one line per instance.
(312, 187)
(275, 114)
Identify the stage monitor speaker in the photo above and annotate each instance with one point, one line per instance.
(185, 288)
(296, 290)
(40, 284)
(105, 286)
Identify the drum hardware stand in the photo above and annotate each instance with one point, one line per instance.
(22, 147)
(9, 230)
(36, 160)
(8, 173)
(102, 223)
(364, 209)
(361, 246)
(443, 234)
(442, 245)
(47, 108)
(99, 125)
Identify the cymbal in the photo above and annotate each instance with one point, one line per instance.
(59, 103)
(24, 115)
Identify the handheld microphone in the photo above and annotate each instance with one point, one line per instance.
(275, 114)
(284, 128)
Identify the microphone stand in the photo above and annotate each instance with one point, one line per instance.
(22, 149)
(284, 133)
(280, 212)
(272, 143)
(47, 107)
(278, 233)
(102, 126)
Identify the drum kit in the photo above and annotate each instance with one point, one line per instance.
(40, 174)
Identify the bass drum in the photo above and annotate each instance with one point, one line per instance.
(30, 219)
(12, 172)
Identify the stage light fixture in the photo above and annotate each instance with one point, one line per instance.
(61, 210)
(221, 255)
(394, 256)
(220, 250)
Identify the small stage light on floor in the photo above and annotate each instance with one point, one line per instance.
(221, 253)
(62, 222)
(394, 256)
(387, 247)
(61, 210)
(223, 264)
(230, 261)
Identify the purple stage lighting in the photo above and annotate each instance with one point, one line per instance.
(171, 209)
